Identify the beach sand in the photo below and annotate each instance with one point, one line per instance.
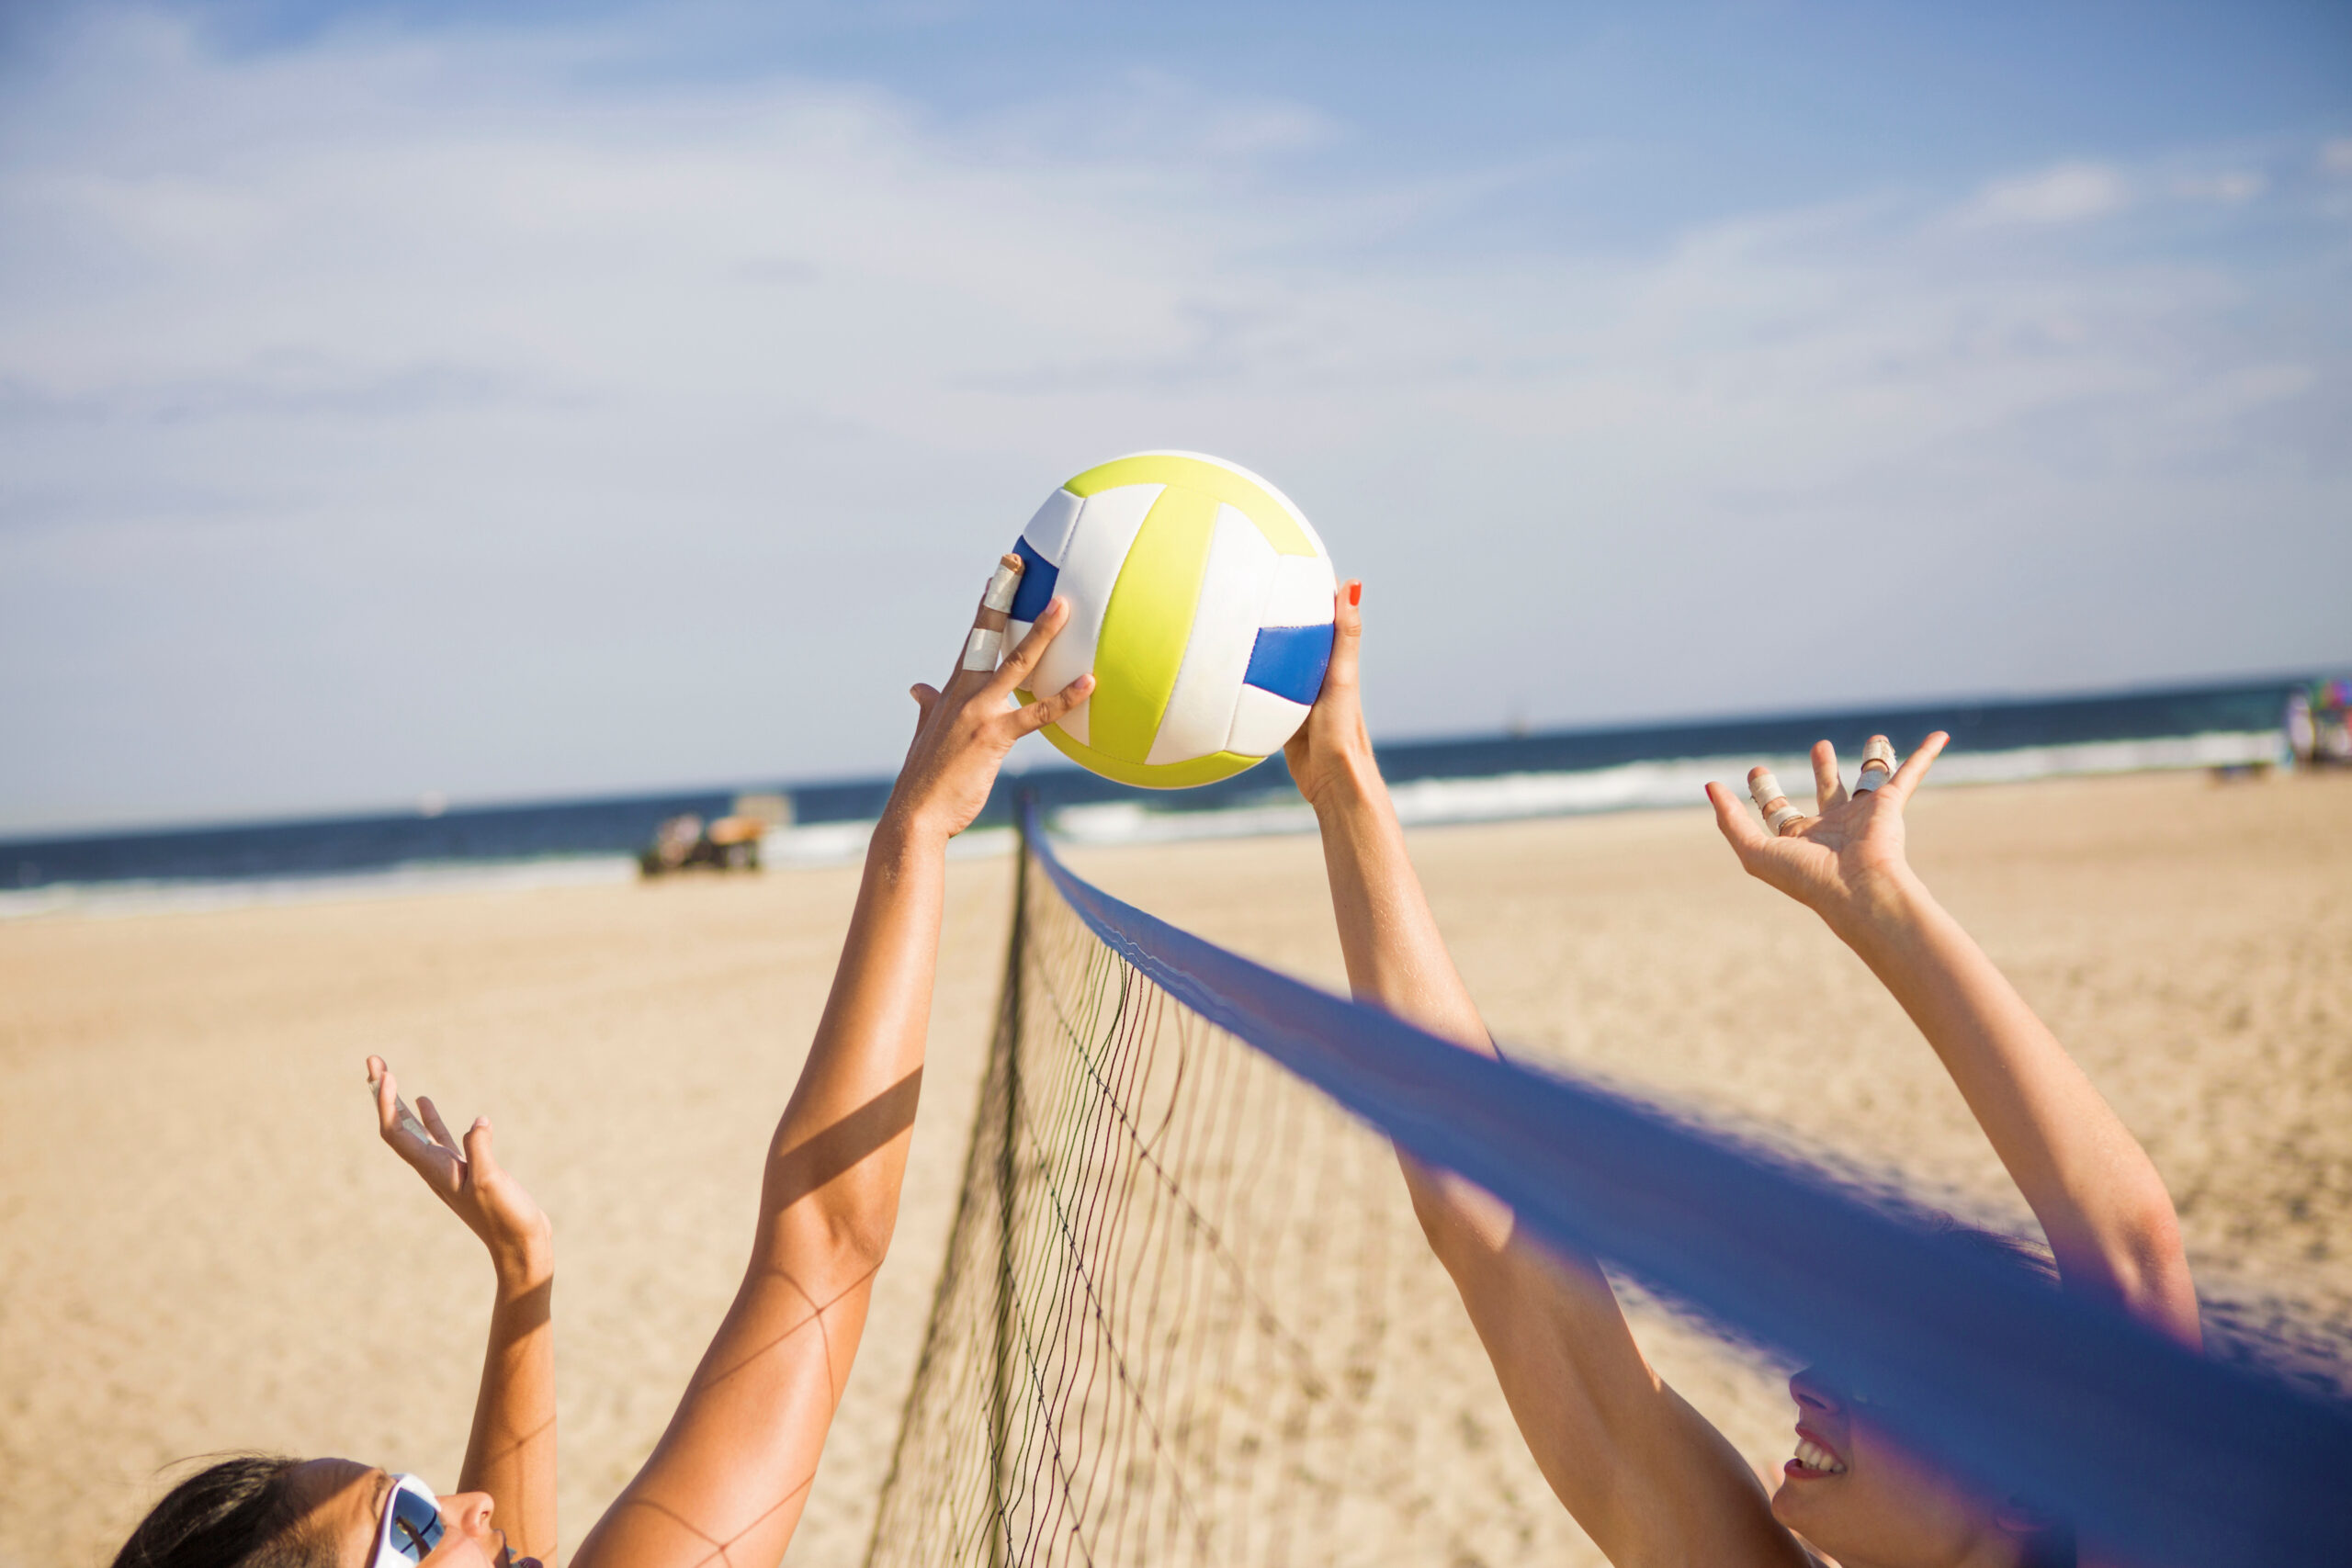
(203, 1246)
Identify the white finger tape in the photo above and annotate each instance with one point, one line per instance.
(1779, 820)
(1878, 755)
(980, 648)
(1000, 587)
(1764, 787)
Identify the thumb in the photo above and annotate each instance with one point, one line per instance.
(482, 1160)
(1346, 631)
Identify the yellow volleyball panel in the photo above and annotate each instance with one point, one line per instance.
(1185, 774)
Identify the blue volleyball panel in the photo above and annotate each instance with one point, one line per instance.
(1289, 661)
(1037, 579)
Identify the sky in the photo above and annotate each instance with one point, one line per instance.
(531, 400)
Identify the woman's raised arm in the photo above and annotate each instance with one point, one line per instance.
(2109, 1221)
(1645, 1475)
(510, 1451)
(729, 1477)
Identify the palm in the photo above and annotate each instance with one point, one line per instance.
(491, 1202)
(465, 1176)
(1840, 853)
(964, 729)
(1837, 859)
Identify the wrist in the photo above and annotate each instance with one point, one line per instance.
(523, 1263)
(520, 1273)
(1348, 783)
(905, 831)
(1883, 908)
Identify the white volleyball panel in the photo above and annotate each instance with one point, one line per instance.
(1299, 591)
(1263, 721)
(1048, 532)
(1097, 548)
(1224, 628)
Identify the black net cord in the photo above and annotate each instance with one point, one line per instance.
(1185, 1317)
(1005, 1059)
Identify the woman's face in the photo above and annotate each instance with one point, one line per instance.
(349, 1507)
(1858, 1494)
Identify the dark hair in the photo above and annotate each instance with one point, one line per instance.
(239, 1512)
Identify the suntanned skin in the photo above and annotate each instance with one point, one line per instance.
(728, 1481)
(1670, 1488)
(1646, 1476)
(730, 1476)
(510, 1454)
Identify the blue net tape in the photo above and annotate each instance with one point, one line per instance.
(2150, 1450)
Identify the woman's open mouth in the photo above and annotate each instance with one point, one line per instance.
(1815, 1458)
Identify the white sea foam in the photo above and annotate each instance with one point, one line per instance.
(816, 844)
(1641, 785)
(840, 843)
(104, 900)
(1421, 802)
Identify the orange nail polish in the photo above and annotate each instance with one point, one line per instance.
(1355, 592)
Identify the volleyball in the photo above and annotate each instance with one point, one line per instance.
(1200, 600)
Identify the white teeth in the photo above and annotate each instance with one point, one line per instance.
(1813, 1456)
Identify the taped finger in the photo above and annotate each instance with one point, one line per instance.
(982, 647)
(404, 1121)
(1878, 764)
(1003, 584)
(1772, 801)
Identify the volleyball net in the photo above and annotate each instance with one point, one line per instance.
(1182, 1281)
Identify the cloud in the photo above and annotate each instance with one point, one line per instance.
(2231, 188)
(2069, 193)
(433, 412)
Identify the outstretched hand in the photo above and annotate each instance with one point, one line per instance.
(467, 1178)
(1841, 860)
(1333, 739)
(964, 731)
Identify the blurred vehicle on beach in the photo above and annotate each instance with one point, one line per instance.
(684, 843)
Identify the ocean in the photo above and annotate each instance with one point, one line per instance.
(1474, 778)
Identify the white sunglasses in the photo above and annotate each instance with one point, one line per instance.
(411, 1527)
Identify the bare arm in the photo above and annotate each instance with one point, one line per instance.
(730, 1478)
(510, 1453)
(1645, 1475)
(2109, 1221)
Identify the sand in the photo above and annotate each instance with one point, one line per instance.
(202, 1245)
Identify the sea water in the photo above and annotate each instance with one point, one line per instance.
(1467, 779)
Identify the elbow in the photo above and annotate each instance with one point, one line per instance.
(1467, 1226)
(2145, 1266)
(2159, 1290)
(853, 1239)
(829, 1241)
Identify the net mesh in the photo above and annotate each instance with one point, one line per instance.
(1186, 1314)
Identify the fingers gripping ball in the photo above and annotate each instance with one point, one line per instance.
(1200, 600)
